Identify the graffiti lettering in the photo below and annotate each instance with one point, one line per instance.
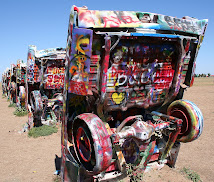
(80, 62)
(182, 24)
(132, 76)
(139, 74)
(55, 78)
(55, 70)
(113, 21)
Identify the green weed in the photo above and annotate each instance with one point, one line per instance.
(56, 178)
(43, 130)
(134, 176)
(190, 174)
(12, 105)
(20, 111)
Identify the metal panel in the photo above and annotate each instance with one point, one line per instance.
(79, 67)
(134, 19)
(140, 74)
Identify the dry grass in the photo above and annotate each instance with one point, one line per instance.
(204, 81)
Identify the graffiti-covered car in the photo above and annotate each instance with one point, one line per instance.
(4, 82)
(7, 82)
(45, 82)
(20, 83)
(125, 75)
(12, 83)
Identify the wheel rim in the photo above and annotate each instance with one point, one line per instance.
(178, 113)
(83, 144)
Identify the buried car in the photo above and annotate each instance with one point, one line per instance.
(45, 82)
(125, 75)
(20, 83)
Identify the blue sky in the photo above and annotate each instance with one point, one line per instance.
(44, 23)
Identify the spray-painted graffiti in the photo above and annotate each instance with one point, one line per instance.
(107, 18)
(22, 96)
(111, 19)
(116, 21)
(30, 64)
(105, 65)
(80, 61)
(20, 72)
(182, 24)
(33, 72)
(94, 70)
(46, 52)
(55, 78)
(114, 91)
(139, 73)
(101, 140)
(21, 76)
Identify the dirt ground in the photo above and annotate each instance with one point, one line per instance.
(24, 159)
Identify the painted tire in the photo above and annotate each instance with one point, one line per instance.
(22, 96)
(36, 101)
(37, 107)
(58, 106)
(92, 143)
(22, 92)
(192, 117)
(13, 92)
(58, 111)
